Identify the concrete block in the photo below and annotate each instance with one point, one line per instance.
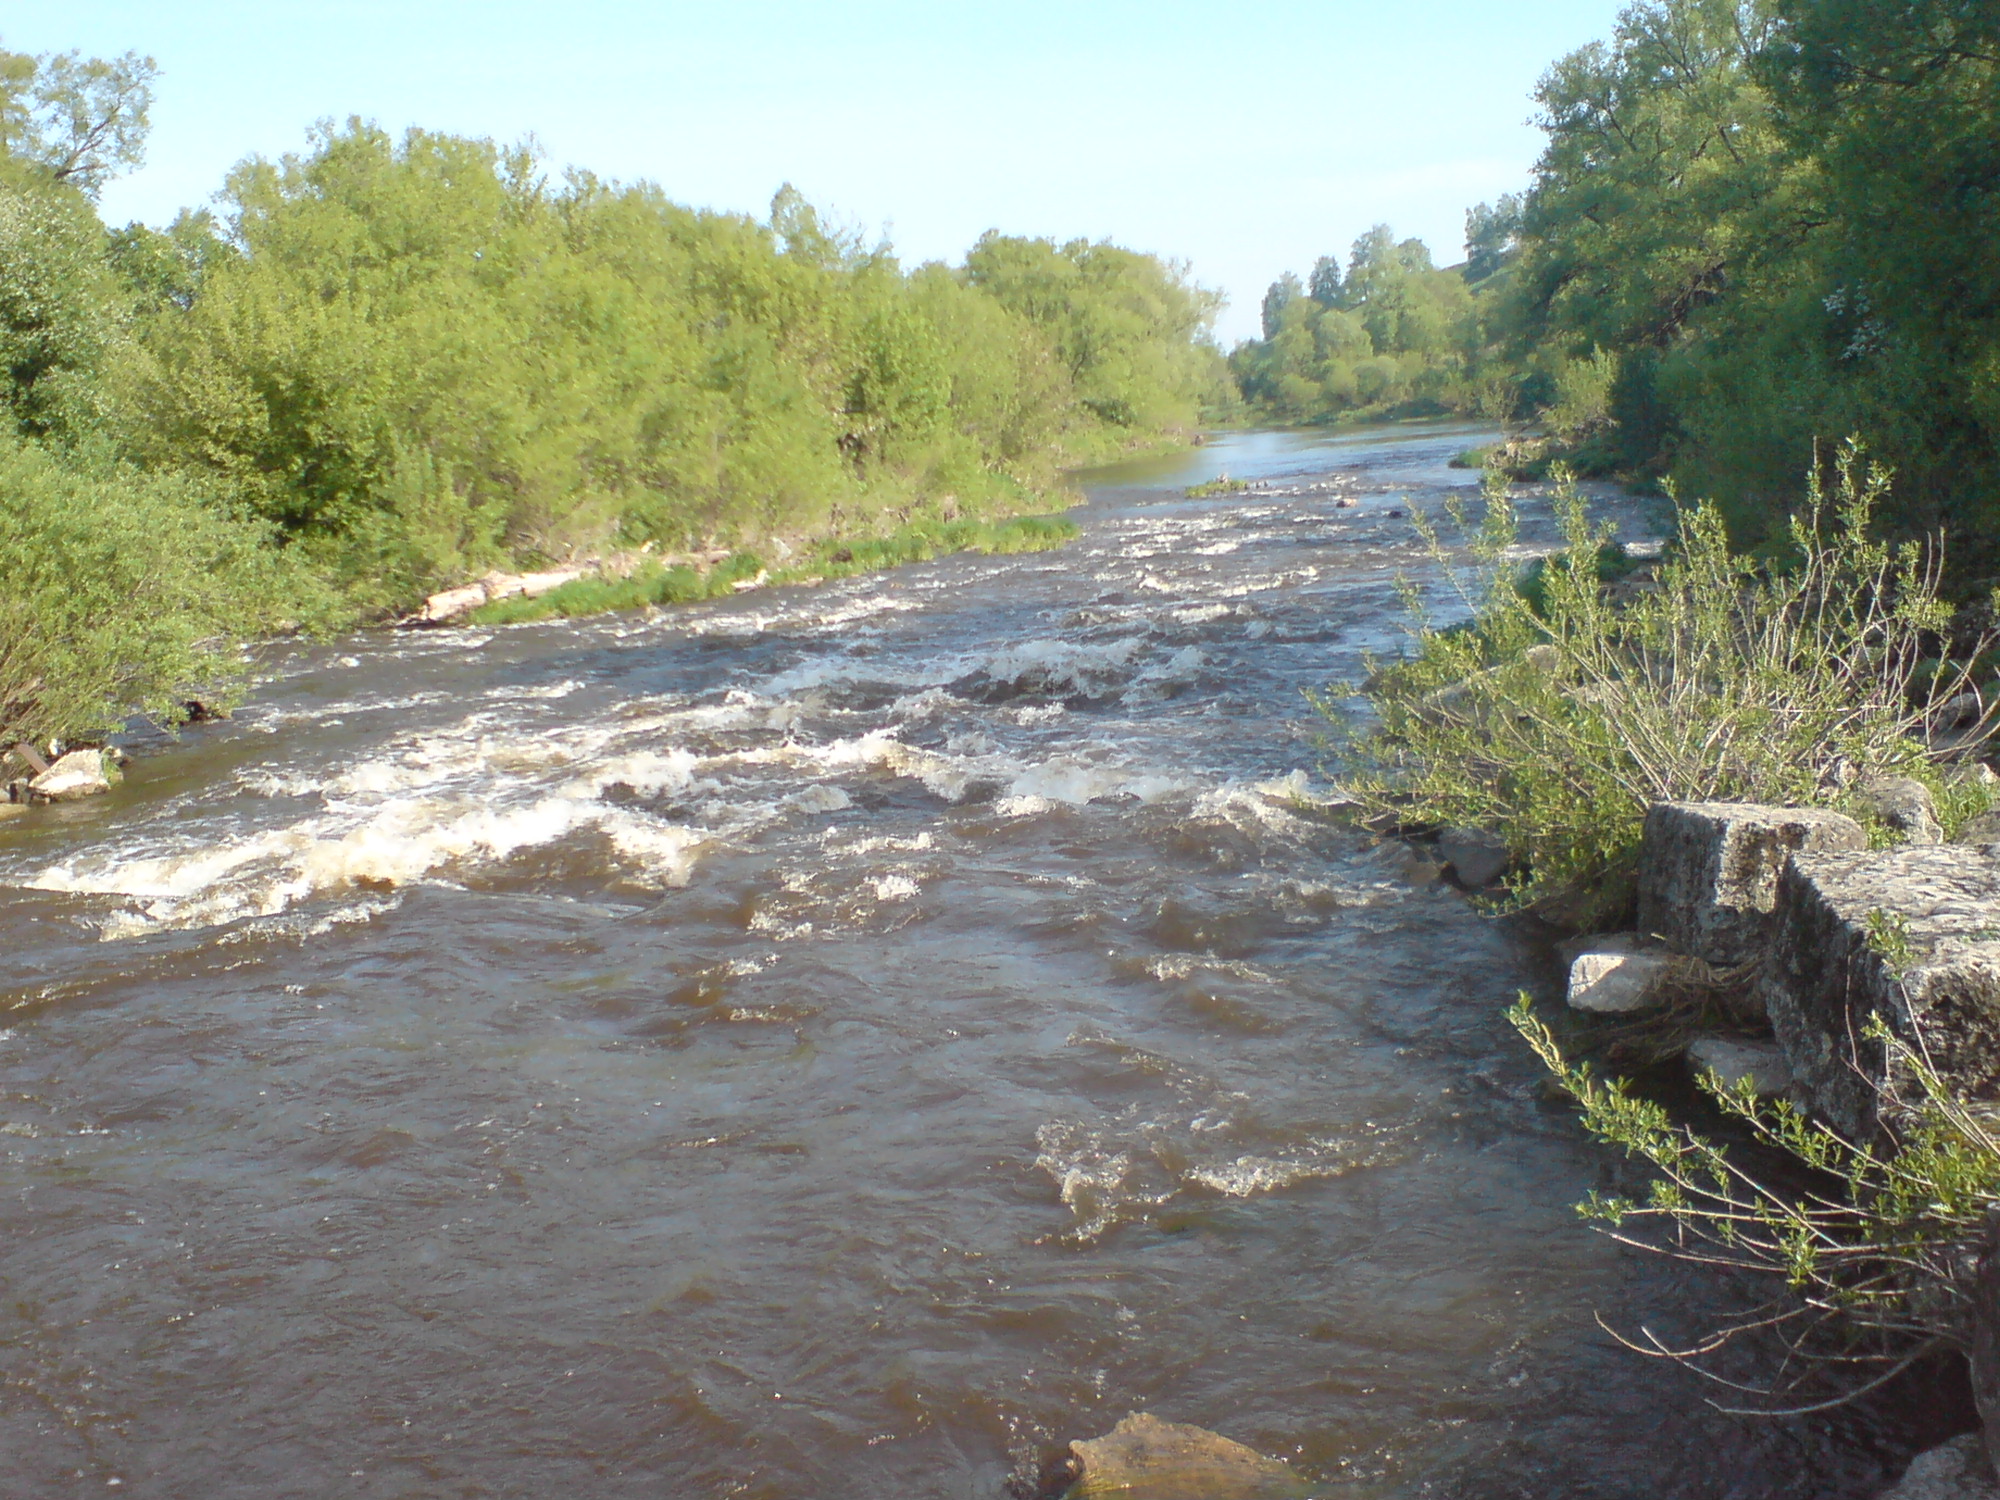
(1911, 934)
(1708, 871)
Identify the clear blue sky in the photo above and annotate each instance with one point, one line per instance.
(1247, 138)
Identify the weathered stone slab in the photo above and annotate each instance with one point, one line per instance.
(1734, 1059)
(1911, 934)
(1620, 979)
(1144, 1458)
(1708, 871)
(79, 774)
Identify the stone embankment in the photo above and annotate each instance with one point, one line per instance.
(1798, 933)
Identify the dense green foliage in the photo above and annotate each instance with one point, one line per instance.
(122, 592)
(1765, 223)
(1563, 712)
(1756, 225)
(1391, 333)
(424, 360)
(398, 364)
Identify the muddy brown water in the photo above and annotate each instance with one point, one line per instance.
(836, 1042)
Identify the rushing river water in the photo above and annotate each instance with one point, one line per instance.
(837, 1042)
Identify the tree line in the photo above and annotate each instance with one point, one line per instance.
(1756, 227)
(385, 364)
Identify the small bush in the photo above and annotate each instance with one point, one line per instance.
(1558, 716)
(1868, 1252)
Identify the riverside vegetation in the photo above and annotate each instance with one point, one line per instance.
(1756, 224)
(385, 366)
(1570, 703)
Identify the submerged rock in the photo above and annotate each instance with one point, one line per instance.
(79, 774)
(1956, 1470)
(1735, 1059)
(1144, 1458)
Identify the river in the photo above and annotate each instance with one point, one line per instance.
(833, 1042)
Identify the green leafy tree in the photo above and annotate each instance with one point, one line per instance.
(74, 120)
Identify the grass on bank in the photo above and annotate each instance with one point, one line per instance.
(654, 585)
(1556, 716)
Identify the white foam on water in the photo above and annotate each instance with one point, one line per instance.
(1082, 667)
(894, 887)
(467, 796)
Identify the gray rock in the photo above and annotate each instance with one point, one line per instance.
(77, 775)
(1911, 934)
(1620, 981)
(1957, 1470)
(1980, 828)
(1458, 700)
(1903, 803)
(1144, 1458)
(1733, 1059)
(1957, 712)
(1708, 871)
(1477, 857)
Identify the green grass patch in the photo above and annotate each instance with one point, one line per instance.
(654, 586)
(1221, 486)
(650, 585)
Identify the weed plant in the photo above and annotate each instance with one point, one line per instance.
(1558, 714)
(1869, 1257)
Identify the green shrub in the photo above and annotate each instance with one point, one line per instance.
(123, 593)
(1871, 1246)
(1558, 716)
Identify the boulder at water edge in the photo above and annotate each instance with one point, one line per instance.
(1616, 977)
(1144, 1458)
(79, 774)
(1478, 858)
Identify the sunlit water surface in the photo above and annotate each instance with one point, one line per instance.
(837, 1042)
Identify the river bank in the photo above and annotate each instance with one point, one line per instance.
(828, 1042)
